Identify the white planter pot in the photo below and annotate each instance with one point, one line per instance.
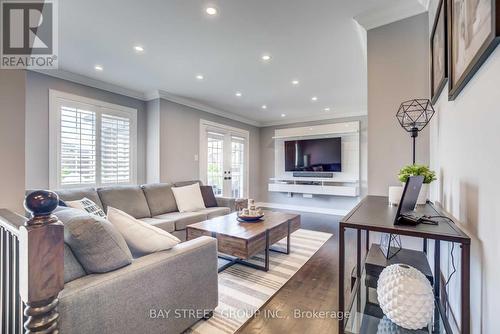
(395, 195)
(423, 195)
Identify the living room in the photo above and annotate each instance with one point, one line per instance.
(243, 167)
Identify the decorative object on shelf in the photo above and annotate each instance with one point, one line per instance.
(473, 34)
(251, 213)
(414, 170)
(390, 244)
(395, 193)
(413, 116)
(439, 52)
(405, 296)
(386, 326)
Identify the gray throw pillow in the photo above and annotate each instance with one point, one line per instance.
(95, 242)
(207, 192)
(72, 268)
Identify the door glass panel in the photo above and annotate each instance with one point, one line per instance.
(237, 166)
(215, 160)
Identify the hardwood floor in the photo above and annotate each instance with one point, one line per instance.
(312, 289)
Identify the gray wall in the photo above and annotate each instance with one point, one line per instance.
(12, 123)
(464, 140)
(179, 131)
(331, 202)
(37, 124)
(398, 57)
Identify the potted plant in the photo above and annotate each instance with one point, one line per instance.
(414, 170)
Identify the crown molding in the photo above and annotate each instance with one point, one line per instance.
(87, 81)
(314, 118)
(394, 11)
(200, 106)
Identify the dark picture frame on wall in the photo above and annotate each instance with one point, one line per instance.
(439, 52)
(473, 34)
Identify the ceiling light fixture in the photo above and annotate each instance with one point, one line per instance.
(295, 82)
(211, 11)
(283, 115)
(326, 109)
(138, 48)
(266, 57)
(98, 68)
(264, 106)
(199, 77)
(238, 94)
(314, 98)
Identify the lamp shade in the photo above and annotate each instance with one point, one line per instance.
(414, 115)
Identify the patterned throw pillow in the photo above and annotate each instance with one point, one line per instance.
(88, 206)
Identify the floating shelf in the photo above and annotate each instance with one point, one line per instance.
(315, 186)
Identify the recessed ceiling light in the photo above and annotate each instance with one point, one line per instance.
(295, 82)
(314, 98)
(211, 11)
(200, 77)
(99, 68)
(264, 106)
(283, 115)
(266, 57)
(138, 48)
(326, 109)
(238, 94)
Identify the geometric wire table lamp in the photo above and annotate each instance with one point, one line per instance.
(414, 115)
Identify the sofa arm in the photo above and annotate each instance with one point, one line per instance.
(235, 204)
(129, 300)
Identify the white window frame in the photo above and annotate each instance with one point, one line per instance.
(56, 99)
(205, 126)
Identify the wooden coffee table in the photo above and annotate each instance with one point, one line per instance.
(238, 241)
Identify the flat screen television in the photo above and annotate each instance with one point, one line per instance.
(313, 155)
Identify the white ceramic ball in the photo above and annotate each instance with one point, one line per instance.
(405, 296)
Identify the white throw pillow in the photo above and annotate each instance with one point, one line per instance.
(88, 206)
(189, 198)
(142, 238)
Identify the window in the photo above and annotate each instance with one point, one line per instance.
(92, 143)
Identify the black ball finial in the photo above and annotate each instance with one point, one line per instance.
(41, 202)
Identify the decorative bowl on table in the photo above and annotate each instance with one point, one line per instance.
(250, 218)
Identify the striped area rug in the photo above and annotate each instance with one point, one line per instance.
(243, 290)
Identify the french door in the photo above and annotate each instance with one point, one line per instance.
(224, 159)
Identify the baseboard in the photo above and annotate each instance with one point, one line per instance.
(311, 209)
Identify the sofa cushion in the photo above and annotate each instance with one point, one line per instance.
(163, 223)
(215, 212)
(142, 238)
(78, 194)
(95, 242)
(189, 198)
(207, 192)
(129, 199)
(72, 268)
(187, 183)
(160, 198)
(183, 219)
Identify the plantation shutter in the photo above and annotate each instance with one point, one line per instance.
(115, 149)
(78, 146)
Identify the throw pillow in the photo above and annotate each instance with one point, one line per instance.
(207, 192)
(88, 206)
(95, 242)
(189, 198)
(142, 238)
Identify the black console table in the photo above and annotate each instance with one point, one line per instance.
(374, 213)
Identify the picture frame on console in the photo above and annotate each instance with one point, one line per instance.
(439, 52)
(473, 34)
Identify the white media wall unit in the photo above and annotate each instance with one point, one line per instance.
(344, 183)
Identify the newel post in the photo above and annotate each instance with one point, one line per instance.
(41, 263)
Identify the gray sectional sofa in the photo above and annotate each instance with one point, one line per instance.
(152, 203)
(163, 292)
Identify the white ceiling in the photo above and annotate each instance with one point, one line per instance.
(317, 42)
